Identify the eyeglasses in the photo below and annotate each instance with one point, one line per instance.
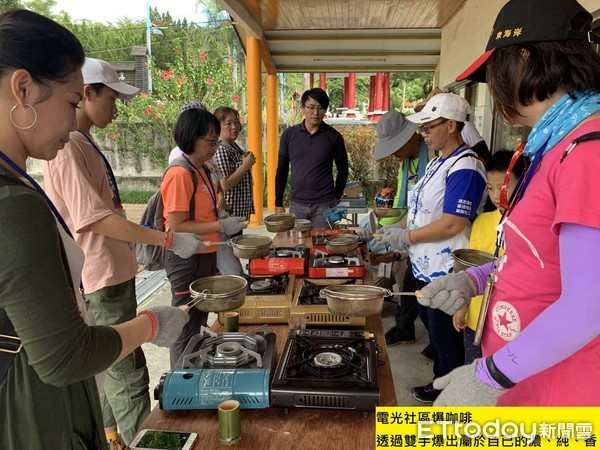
(313, 108)
(212, 142)
(423, 130)
(504, 200)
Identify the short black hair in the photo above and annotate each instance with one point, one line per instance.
(500, 161)
(318, 95)
(525, 73)
(47, 50)
(191, 125)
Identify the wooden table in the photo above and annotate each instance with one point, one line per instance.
(271, 428)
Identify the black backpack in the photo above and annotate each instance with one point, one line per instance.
(151, 257)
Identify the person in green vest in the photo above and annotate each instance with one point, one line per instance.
(397, 137)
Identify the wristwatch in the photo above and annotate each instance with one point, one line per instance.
(498, 376)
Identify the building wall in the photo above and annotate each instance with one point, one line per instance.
(465, 36)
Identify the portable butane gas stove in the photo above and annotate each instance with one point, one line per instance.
(220, 366)
(309, 303)
(268, 299)
(283, 259)
(324, 265)
(331, 369)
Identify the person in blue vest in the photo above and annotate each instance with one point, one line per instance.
(397, 137)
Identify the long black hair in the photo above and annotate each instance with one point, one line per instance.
(30, 41)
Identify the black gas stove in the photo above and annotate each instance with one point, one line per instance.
(330, 369)
(310, 293)
(274, 285)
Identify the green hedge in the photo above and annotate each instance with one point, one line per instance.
(135, 196)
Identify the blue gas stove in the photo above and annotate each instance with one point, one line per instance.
(220, 366)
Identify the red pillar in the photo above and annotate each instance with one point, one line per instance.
(351, 103)
(345, 94)
(386, 92)
(311, 80)
(371, 93)
(322, 81)
(378, 91)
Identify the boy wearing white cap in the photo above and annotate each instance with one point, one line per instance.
(82, 186)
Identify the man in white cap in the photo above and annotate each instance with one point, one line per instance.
(397, 137)
(82, 186)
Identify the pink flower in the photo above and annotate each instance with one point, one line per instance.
(209, 80)
(236, 98)
(230, 62)
(156, 117)
(160, 106)
(144, 95)
(202, 56)
(149, 110)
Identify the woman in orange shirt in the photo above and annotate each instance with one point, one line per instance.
(196, 134)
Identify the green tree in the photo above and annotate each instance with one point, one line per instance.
(5, 5)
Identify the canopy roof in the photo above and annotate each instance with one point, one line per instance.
(344, 35)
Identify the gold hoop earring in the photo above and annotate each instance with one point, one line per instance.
(27, 105)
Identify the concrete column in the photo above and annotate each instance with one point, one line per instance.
(272, 137)
(253, 88)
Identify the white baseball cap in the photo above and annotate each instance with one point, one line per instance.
(98, 71)
(447, 106)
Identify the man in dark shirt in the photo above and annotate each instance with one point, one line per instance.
(311, 147)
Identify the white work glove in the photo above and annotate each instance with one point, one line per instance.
(233, 225)
(167, 324)
(364, 234)
(184, 245)
(462, 388)
(449, 293)
(396, 237)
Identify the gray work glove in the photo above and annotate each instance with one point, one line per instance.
(462, 388)
(364, 234)
(223, 214)
(167, 324)
(185, 245)
(233, 225)
(449, 293)
(396, 237)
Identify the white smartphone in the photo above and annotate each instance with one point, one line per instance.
(163, 440)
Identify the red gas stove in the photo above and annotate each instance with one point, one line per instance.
(292, 260)
(323, 265)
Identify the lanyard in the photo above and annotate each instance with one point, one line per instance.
(207, 182)
(429, 175)
(38, 188)
(111, 176)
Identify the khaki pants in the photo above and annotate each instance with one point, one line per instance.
(125, 400)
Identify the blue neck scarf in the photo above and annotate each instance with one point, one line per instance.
(559, 120)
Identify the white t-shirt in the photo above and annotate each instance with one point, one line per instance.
(452, 185)
(175, 153)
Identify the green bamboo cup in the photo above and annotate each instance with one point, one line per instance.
(231, 322)
(230, 428)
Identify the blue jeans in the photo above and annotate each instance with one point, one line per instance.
(227, 262)
(312, 212)
(447, 342)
